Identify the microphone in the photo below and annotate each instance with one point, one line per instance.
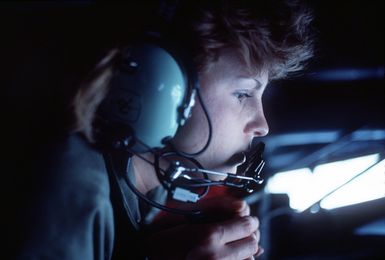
(180, 183)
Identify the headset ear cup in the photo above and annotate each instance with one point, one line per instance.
(146, 94)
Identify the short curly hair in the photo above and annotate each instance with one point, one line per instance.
(272, 35)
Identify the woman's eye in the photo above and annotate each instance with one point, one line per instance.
(242, 95)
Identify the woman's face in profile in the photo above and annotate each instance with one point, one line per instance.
(233, 99)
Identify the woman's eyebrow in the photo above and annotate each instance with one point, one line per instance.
(258, 83)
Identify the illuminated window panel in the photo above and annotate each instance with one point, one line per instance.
(366, 187)
(305, 187)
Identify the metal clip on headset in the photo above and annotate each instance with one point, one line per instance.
(248, 180)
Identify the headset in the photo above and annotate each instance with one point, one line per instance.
(151, 95)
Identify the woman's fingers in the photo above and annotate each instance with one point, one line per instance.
(242, 249)
(235, 229)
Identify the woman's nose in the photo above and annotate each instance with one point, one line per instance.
(257, 125)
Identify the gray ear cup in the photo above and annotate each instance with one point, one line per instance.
(150, 95)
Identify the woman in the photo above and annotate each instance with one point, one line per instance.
(86, 212)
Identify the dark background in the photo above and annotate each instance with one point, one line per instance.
(47, 47)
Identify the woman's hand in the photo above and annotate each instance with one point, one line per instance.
(227, 232)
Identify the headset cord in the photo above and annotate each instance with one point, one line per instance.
(111, 168)
(191, 155)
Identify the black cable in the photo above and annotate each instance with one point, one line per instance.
(112, 172)
(167, 183)
(160, 206)
(190, 155)
(164, 184)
